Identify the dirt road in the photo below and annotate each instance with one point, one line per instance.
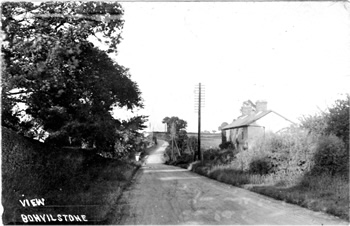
(166, 195)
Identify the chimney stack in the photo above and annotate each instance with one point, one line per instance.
(246, 110)
(261, 105)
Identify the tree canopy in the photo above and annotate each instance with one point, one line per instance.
(333, 121)
(68, 86)
(338, 119)
(179, 124)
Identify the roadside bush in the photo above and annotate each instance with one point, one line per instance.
(226, 145)
(331, 156)
(335, 120)
(211, 154)
(260, 166)
(181, 144)
(181, 140)
(288, 153)
(338, 119)
(316, 124)
(218, 157)
(192, 144)
(291, 151)
(242, 160)
(184, 159)
(172, 157)
(288, 156)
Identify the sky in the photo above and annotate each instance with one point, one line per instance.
(294, 55)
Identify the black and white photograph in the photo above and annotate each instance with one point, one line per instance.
(175, 112)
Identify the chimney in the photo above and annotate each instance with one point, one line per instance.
(246, 110)
(261, 105)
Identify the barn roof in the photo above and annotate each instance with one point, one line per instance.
(247, 120)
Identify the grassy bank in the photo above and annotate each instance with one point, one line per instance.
(324, 192)
(77, 182)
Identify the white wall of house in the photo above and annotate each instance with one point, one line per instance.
(227, 135)
(273, 122)
(233, 134)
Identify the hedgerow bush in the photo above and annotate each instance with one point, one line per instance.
(184, 146)
(333, 121)
(31, 169)
(290, 151)
(260, 166)
(331, 156)
(218, 157)
(226, 145)
(294, 152)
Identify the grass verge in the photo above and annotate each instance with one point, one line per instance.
(326, 193)
(93, 191)
(74, 182)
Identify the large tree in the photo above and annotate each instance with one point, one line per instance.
(335, 120)
(338, 119)
(179, 124)
(68, 86)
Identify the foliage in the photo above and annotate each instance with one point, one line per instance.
(218, 157)
(154, 139)
(260, 165)
(334, 121)
(180, 124)
(314, 123)
(192, 144)
(226, 145)
(222, 126)
(295, 153)
(178, 127)
(129, 140)
(331, 156)
(309, 192)
(291, 151)
(338, 119)
(68, 86)
(294, 165)
(181, 140)
(62, 176)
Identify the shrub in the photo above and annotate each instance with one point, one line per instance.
(226, 145)
(184, 159)
(334, 121)
(181, 140)
(218, 157)
(331, 155)
(314, 123)
(260, 166)
(338, 119)
(242, 160)
(292, 154)
(289, 152)
(210, 154)
(192, 144)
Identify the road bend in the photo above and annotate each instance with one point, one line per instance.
(168, 195)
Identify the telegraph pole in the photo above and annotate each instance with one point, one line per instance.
(199, 122)
(199, 89)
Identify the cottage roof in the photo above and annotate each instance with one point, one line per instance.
(247, 120)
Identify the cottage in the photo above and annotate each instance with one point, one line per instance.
(254, 122)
